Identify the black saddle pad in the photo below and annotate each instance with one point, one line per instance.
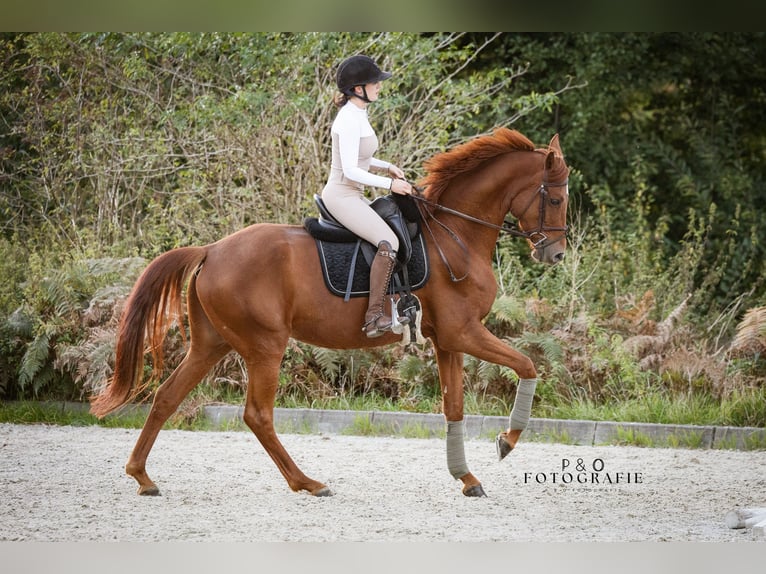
(336, 260)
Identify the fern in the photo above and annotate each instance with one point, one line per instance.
(21, 323)
(127, 268)
(751, 333)
(66, 290)
(552, 350)
(69, 321)
(425, 371)
(104, 304)
(35, 364)
(411, 367)
(667, 326)
(643, 346)
(487, 371)
(90, 363)
(510, 309)
(329, 361)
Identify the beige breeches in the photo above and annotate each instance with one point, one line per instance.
(348, 205)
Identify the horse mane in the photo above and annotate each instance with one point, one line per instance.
(443, 167)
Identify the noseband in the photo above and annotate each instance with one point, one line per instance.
(510, 227)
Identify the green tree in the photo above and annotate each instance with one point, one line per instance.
(668, 125)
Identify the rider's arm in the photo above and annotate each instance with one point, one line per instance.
(348, 148)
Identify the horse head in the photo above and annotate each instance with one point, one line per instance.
(535, 193)
(543, 219)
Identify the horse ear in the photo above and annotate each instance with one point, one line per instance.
(554, 145)
(554, 151)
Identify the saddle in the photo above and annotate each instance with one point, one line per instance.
(348, 275)
(399, 211)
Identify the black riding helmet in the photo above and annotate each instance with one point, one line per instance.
(358, 71)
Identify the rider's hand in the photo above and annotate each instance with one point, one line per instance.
(401, 187)
(395, 172)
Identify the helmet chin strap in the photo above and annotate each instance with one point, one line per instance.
(364, 96)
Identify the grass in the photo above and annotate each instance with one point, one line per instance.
(685, 440)
(75, 414)
(369, 402)
(51, 413)
(560, 437)
(744, 408)
(754, 441)
(363, 426)
(633, 437)
(739, 409)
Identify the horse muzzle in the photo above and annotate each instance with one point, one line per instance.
(549, 254)
(545, 249)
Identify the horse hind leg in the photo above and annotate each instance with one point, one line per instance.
(166, 400)
(263, 376)
(451, 378)
(207, 348)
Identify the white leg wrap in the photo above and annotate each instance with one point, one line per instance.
(522, 404)
(456, 449)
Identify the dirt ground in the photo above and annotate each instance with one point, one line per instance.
(68, 484)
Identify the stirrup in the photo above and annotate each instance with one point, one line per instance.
(398, 323)
(376, 331)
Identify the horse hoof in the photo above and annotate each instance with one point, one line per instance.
(324, 491)
(503, 448)
(150, 490)
(475, 491)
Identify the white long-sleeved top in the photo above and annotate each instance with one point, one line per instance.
(350, 127)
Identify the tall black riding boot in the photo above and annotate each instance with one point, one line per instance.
(376, 322)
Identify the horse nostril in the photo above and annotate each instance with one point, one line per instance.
(558, 257)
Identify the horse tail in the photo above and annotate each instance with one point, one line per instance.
(151, 308)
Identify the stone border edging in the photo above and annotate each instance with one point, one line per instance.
(591, 433)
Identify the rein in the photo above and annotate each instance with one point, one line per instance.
(510, 227)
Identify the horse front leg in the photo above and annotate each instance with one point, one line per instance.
(518, 419)
(482, 344)
(451, 378)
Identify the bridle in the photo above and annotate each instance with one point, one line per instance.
(542, 191)
(510, 227)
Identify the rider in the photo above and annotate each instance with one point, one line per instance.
(353, 144)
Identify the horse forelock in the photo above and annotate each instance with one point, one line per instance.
(466, 157)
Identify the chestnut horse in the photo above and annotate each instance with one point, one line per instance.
(254, 289)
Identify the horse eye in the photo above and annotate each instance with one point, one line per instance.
(555, 201)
